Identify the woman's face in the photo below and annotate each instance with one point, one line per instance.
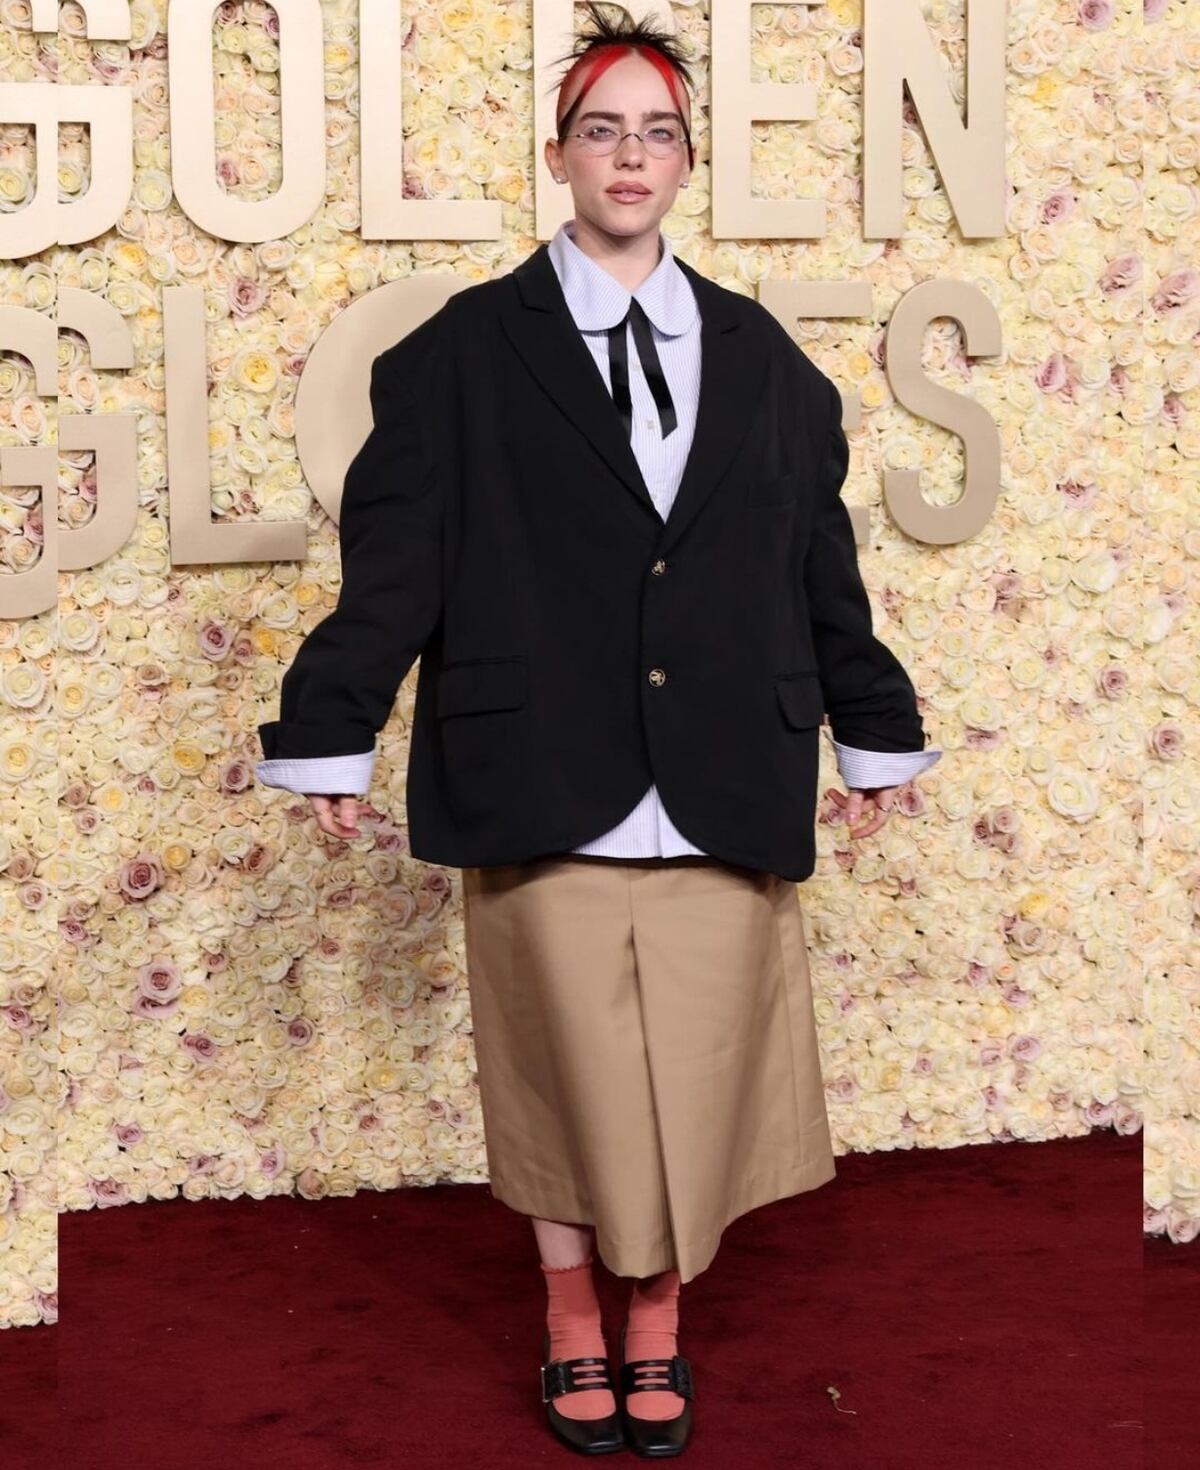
(631, 88)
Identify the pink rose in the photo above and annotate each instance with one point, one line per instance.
(1113, 682)
(160, 980)
(1173, 410)
(1121, 273)
(1176, 289)
(1166, 741)
(215, 641)
(1095, 15)
(1059, 205)
(237, 776)
(140, 877)
(152, 1010)
(202, 1048)
(1153, 10)
(1082, 494)
(245, 296)
(1008, 589)
(1052, 376)
(107, 1192)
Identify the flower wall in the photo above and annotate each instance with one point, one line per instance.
(203, 994)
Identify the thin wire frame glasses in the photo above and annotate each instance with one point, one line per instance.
(661, 141)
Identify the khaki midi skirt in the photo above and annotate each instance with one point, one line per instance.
(646, 1048)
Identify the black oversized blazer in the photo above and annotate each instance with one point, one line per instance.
(574, 646)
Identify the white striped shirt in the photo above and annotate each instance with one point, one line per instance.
(597, 301)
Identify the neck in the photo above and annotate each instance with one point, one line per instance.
(629, 259)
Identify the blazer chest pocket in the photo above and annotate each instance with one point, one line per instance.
(778, 491)
(479, 685)
(801, 699)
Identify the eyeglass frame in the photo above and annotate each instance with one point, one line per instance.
(687, 138)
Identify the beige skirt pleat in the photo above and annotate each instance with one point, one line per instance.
(646, 1048)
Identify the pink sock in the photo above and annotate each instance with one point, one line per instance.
(651, 1333)
(573, 1317)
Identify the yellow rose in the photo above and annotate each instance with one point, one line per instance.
(187, 757)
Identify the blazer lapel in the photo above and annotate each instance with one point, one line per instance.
(539, 324)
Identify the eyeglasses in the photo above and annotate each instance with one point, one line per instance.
(660, 141)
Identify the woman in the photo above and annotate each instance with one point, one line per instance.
(646, 1047)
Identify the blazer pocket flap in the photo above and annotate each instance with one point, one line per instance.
(482, 684)
(779, 490)
(801, 699)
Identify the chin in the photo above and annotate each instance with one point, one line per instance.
(632, 219)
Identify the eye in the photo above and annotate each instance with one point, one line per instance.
(664, 133)
(599, 131)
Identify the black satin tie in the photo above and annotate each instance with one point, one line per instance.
(618, 366)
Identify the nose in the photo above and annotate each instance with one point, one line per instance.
(630, 138)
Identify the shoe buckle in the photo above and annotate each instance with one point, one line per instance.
(556, 1373)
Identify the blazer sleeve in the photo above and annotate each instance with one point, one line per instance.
(870, 700)
(340, 687)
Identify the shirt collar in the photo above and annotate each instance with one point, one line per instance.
(597, 300)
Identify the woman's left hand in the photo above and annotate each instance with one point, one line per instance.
(878, 803)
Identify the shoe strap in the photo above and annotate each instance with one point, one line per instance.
(573, 1375)
(677, 1371)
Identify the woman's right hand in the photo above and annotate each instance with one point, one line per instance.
(337, 815)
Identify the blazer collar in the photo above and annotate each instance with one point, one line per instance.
(733, 367)
(597, 300)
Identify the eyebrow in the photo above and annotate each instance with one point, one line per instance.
(620, 116)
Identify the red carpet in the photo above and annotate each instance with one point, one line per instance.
(976, 1307)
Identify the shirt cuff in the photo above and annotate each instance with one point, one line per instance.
(324, 775)
(868, 769)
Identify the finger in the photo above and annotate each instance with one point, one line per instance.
(866, 831)
(865, 814)
(336, 815)
(347, 815)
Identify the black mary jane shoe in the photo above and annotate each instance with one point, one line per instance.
(656, 1438)
(563, 1375)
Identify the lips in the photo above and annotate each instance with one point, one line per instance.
(627, 191)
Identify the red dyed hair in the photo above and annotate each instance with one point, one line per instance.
(596, 62)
